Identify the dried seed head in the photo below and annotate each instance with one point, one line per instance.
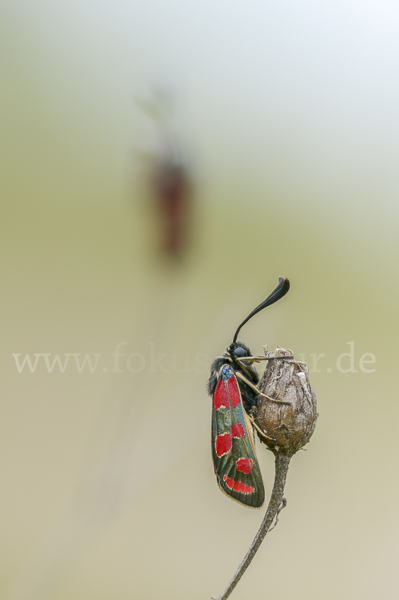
(288, 424)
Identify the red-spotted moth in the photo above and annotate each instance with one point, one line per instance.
(232, 385)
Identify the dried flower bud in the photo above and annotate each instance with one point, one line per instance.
(288, 424)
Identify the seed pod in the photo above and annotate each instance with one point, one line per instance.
(289, 422)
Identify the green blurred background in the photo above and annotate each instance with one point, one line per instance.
(289, 115)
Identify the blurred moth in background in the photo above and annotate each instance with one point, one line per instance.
(172, 195)
(169, 181)
(232, 385)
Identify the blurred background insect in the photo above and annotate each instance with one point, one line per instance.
(169, 179)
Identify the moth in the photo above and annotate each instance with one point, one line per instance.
(232, 385)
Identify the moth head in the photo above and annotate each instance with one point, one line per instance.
(238, 350)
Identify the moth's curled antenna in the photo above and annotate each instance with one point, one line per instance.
(277, 293)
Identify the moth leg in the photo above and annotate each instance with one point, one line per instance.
(245, 370)
(258, 429)
(252, 386)
(252, 359)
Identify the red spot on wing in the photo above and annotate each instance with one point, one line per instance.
(243, 488)
(245, 465)
(234, 391)
(229, 481)
(237, 430)
(220, 397)
(237, 486)
(223, 444)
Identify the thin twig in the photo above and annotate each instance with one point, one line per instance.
(282, 462)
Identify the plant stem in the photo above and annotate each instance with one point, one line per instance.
(282, 462)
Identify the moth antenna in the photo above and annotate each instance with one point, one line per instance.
(277, 293)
